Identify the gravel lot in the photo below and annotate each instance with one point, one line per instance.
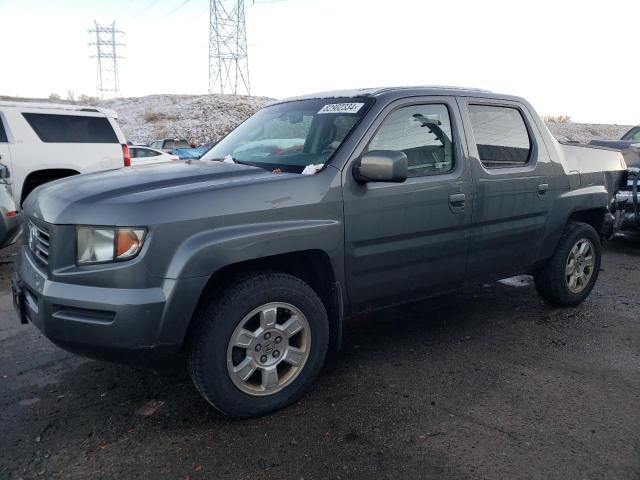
(487, 383)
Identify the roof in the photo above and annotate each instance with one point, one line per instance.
(59, 106)
(398, 91)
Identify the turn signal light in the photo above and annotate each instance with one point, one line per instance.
(127, 243)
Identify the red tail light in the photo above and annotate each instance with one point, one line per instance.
(127, 155)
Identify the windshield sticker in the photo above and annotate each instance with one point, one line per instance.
(341, 108)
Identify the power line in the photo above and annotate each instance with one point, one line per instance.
(174, 10)
(107, 58)
(228, 61)
(152, 4)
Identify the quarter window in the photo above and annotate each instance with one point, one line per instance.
(53, 128)
(423, 133)
(501, 136)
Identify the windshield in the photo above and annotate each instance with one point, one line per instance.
(290, 136)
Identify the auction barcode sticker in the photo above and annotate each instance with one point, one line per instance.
(341, 108)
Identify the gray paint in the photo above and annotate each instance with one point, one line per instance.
(388, 243)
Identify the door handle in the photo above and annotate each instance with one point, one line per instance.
(456, 202)
(457, 199)
(543, 188)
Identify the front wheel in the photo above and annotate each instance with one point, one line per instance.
(572, 272)
(259, 344)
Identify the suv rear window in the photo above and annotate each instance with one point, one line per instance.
(53, 128)
(501, 136)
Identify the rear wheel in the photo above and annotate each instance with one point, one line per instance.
(259, 344)
(571, 273)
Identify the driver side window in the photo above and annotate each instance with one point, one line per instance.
(423, 133)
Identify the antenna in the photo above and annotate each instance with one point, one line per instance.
(106, 54)
(228, 63)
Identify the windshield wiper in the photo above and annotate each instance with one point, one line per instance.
(235, 160)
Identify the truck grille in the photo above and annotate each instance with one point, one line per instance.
(39, 242)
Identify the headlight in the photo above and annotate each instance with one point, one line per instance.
(104, 244)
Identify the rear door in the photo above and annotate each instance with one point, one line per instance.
(409, 240)
(513, 174)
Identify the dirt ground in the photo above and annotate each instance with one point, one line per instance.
(489, 383)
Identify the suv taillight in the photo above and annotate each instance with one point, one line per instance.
(127, 155)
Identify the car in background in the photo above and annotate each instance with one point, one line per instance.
(147, 155)
(168, 144)
(192, 153)
(41, 142)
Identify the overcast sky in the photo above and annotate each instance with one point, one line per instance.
(577, 58)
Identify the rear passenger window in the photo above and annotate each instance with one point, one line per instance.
(71, 128)
(3, 133)
(501, 136)
(423, 133)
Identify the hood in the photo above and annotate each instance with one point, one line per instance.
(122, 196)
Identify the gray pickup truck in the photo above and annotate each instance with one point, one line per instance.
(316, 208)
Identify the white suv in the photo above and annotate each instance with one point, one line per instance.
(42, 142)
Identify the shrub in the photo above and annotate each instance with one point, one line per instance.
(153, 116)
(556, 119)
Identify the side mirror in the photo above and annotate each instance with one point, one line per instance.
(382, 166)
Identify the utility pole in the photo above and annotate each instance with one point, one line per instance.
(106, 53)
(228, 63)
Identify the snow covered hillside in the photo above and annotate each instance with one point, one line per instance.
(585, 132)
(196, 118)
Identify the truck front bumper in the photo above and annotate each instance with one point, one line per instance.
(106, 323)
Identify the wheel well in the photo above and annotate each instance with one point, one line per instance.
(37, 178)
(594, 217)
(311, 266)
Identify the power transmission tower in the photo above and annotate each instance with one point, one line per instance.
(228, 63)
(106, 43)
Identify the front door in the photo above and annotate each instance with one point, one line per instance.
(514, 181)
(409, 240)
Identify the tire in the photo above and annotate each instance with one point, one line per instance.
(253, 302)
(556, 281)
